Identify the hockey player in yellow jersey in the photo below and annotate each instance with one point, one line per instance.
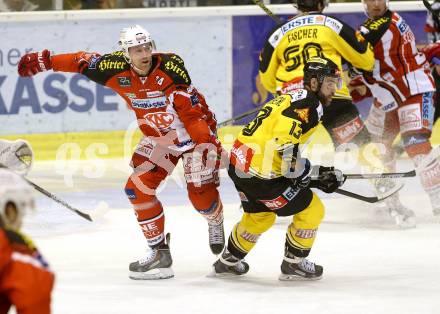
(309, 34)
(273, 180)
(312, 33)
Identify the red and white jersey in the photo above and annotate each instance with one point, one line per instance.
(400, 70)
(25, 278)
(168, 108)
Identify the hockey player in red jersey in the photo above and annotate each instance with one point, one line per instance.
(25, 279)
(432, 50)
(403, 90)
(176, 123)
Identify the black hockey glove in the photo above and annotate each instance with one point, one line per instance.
(328, 179)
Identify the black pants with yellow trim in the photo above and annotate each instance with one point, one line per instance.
(262, 201)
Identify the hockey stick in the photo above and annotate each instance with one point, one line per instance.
(60, 201)
(242, 116)
(393, 175)
(368, 199)
(427, 5)
(274, 17)
(247, 113)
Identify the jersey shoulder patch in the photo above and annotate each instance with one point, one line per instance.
(373, 30)
(275, 37)
(299, 94)
(304, 107)
(18, 239)
(334, 24)
(174, 67)
(103, 68)
(112, 62)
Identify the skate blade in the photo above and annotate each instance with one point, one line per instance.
(153, 274)
(214, 274)
(408, 223)
(286, 277)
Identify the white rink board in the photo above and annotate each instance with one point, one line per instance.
(58, 103)
(39, 105)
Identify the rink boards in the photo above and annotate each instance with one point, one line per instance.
(66, 114)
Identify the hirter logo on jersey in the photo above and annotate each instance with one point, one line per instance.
(161, 120)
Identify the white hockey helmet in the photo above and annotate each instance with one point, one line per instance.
(134, 36)
(14, 189)
(387, 4)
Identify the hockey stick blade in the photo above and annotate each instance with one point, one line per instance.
(59, 201)
(369, 199)
(392, 175)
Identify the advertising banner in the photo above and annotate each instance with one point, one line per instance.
(250, 34)
(54, 102)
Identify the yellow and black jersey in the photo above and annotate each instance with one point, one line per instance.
(269, 143)
(293, 43)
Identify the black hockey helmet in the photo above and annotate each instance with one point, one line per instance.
(309, 5)
(319, 68)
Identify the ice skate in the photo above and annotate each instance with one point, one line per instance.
(297, 268)
(216, 237)
(436, 211)
(434, 197)
(156, 265)
(228, 265)
(403, 217)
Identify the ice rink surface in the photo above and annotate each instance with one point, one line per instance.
(370, 266)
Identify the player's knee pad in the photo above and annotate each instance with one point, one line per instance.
(144, 184)
(206, 201)
(203, 197)
(302, 232)
(417, 144)
(246, 233)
